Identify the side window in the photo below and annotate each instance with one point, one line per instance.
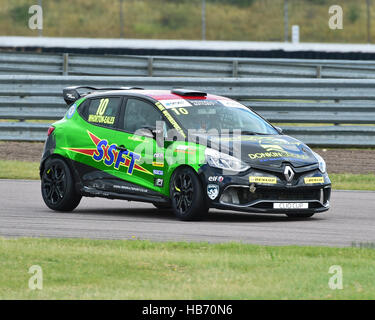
(104, 111)
(140, 114)
(82, 109)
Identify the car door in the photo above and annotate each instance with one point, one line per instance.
(140, 154)
(90, 140)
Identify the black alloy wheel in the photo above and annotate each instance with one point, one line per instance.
(183, 192)
(188, 201)
(58, 186)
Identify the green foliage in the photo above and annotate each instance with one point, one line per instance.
(317, 2)
(20, 14)
(354, 14)
(239, 3)
(236, 20)
(179, 19)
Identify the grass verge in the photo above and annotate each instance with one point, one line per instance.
(134, 269)
(260, 20)
(340, 181)
(348, 181)
(19, 170)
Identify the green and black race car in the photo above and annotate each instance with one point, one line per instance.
(182, 150)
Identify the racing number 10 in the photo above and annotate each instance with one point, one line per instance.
(102, 107)
(180, 111)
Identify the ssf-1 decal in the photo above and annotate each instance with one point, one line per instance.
(111, 156)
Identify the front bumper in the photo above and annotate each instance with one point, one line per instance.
(236, 192)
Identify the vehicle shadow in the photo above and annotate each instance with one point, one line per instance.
(214, 216)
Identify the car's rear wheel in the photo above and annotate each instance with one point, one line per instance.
(300, 215)
(57, 185)
(187, 195)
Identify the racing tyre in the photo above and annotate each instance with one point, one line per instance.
(57, 185)
(300, 215)
(187, 195)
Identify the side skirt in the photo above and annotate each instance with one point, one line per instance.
(92, 192)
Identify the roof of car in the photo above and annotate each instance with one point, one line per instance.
(158, 94)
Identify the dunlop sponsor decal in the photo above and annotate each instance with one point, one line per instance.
(313, 180)
(158, 164)
(262, 155)
(268, 180)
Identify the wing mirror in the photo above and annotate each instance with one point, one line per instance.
(279, 130)
(153, 132)
(149, 132)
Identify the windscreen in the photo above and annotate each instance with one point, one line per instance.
(221, 115)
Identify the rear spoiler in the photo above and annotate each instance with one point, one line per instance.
(71, 94)
(189, 93)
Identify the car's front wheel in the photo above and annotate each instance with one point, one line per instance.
(188, 201)
(57, 185)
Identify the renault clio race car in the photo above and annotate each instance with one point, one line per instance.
(183, 150)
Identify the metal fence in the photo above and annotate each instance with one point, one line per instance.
(335, 112)
(158, 66)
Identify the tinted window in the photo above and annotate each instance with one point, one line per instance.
(140, 114)
(104, 111)
(83, 108)
(220, 115)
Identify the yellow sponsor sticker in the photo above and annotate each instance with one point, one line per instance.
(160, 106)
(173, 122)
(313, 180)
(280, 154)
(268, 180)
(101, 119)
(158, 164)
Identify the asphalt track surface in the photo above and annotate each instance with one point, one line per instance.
(23, 214)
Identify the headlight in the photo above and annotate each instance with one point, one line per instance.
(224, 161)
(322, 163)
